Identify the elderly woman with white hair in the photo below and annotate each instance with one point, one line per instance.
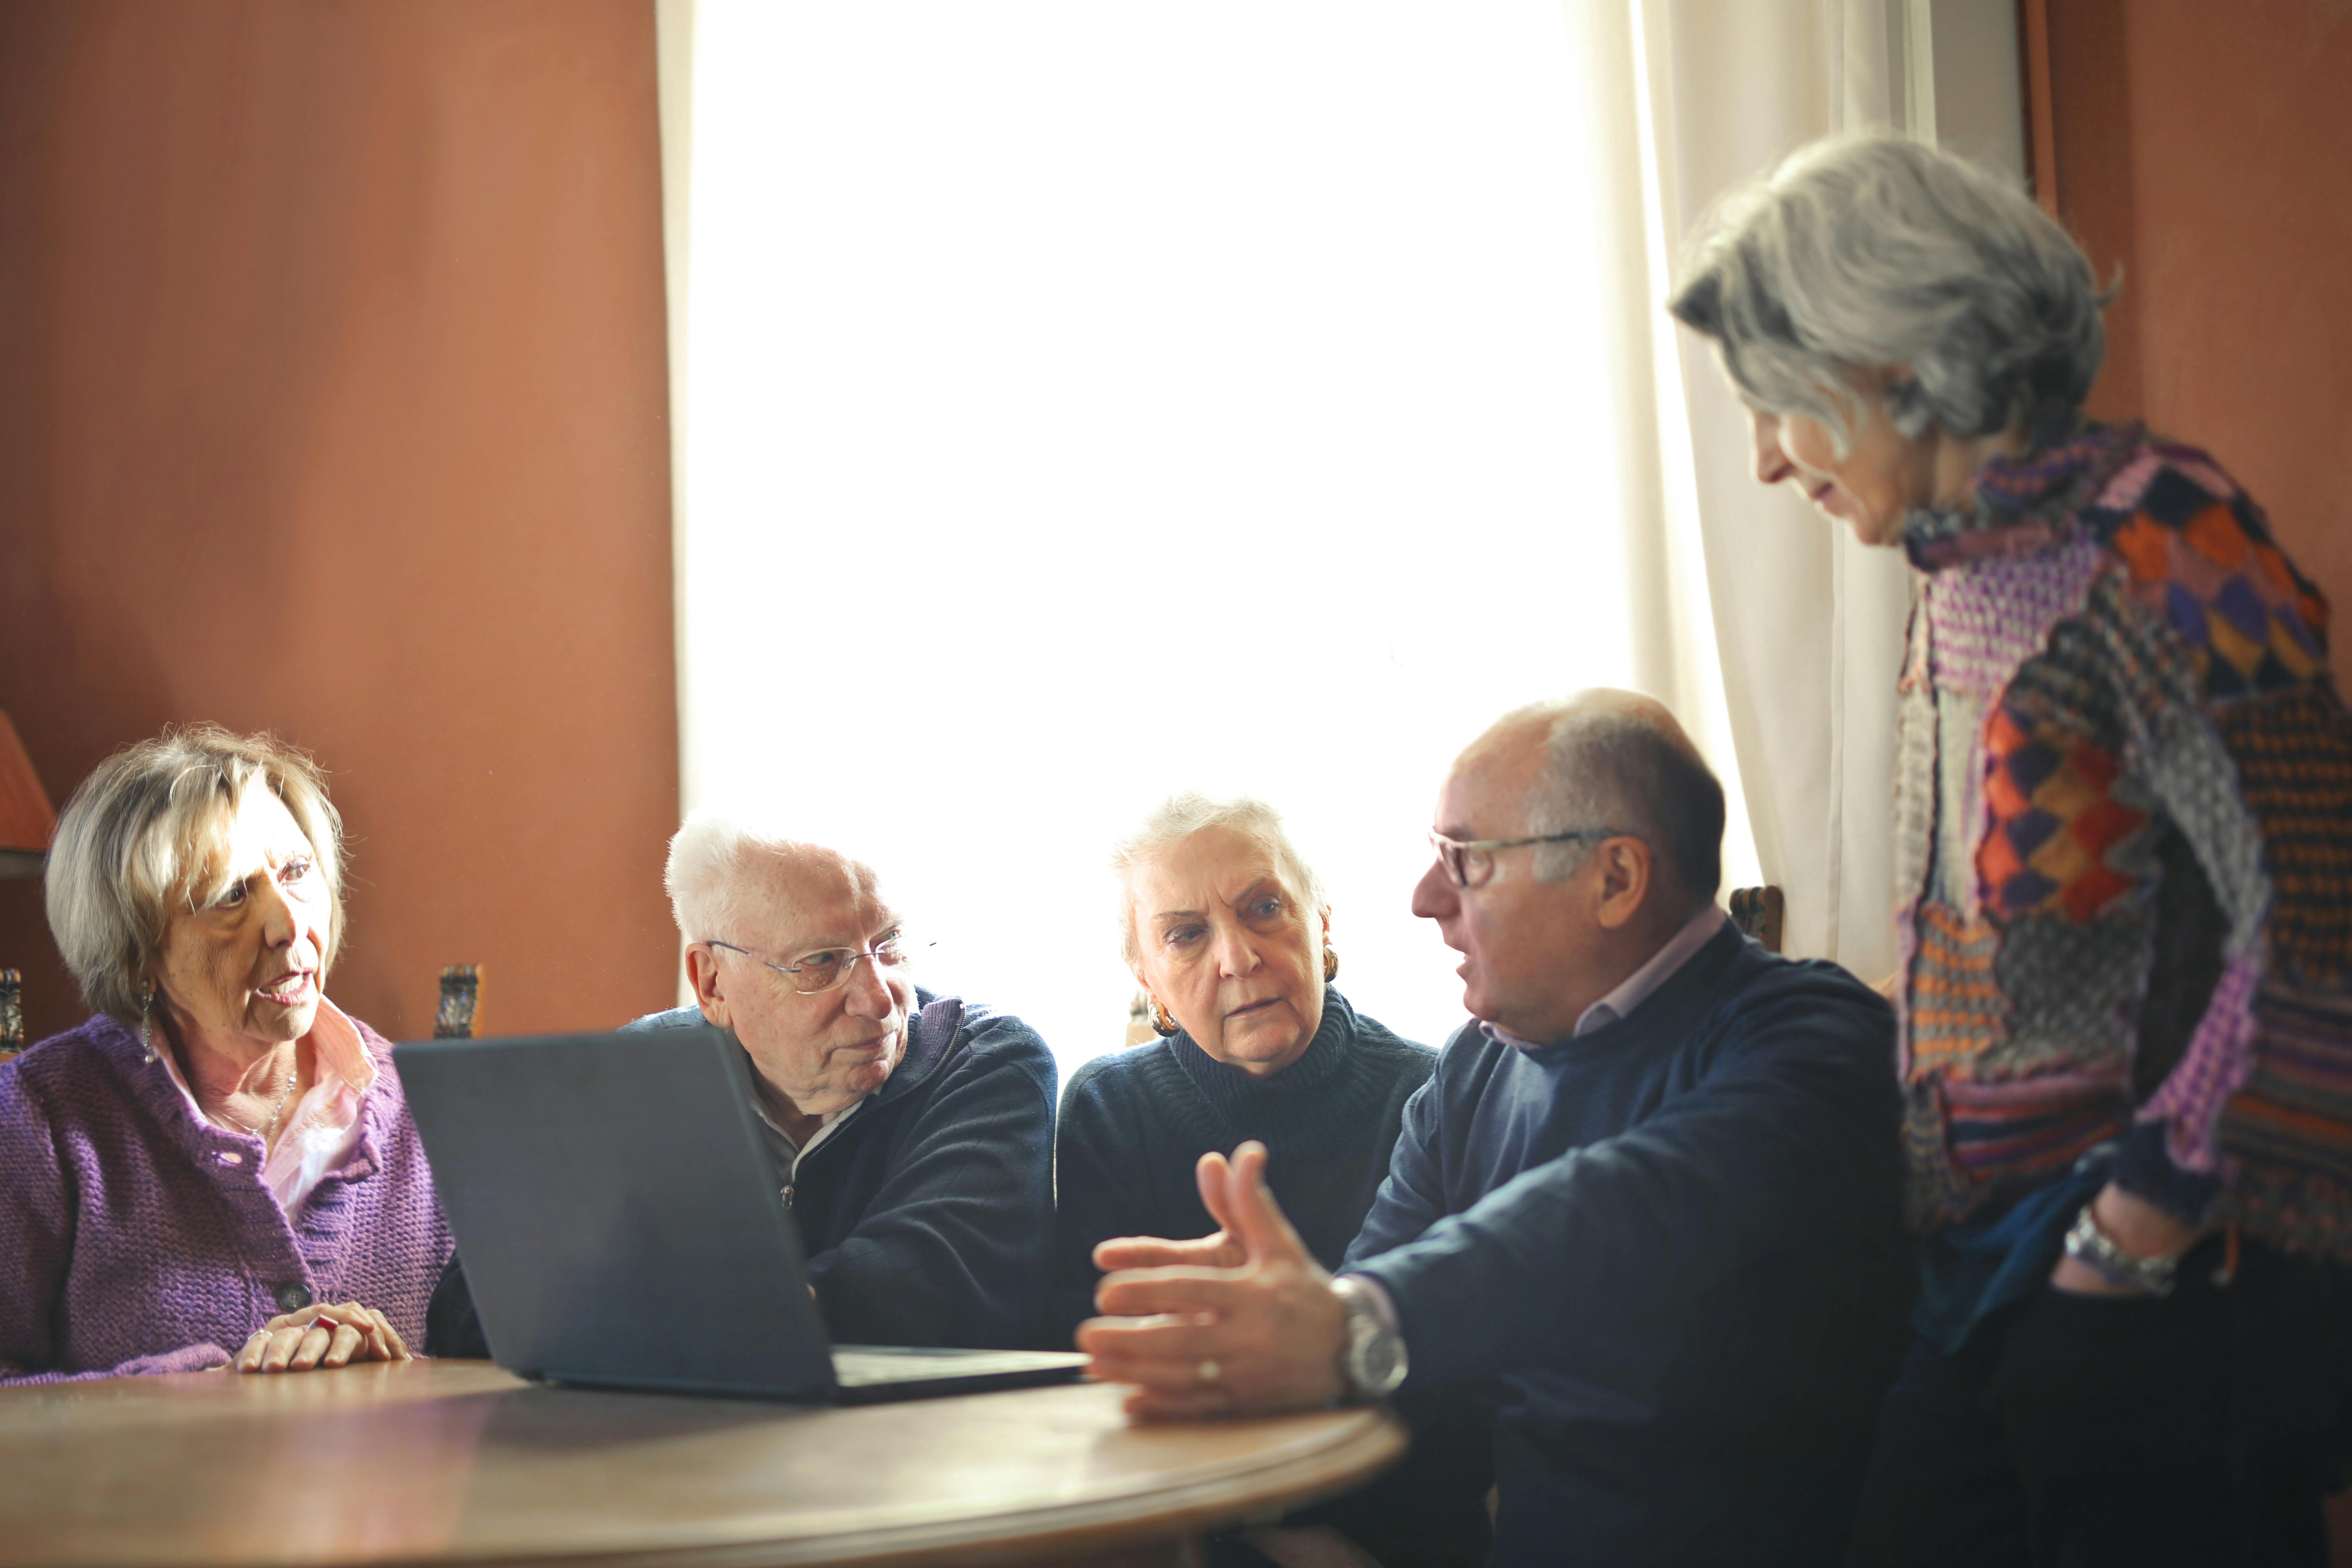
(2125, 863)
(1227, 930)
(218, 1168)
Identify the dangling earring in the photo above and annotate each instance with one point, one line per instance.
(146, 1011)
(1331, 963)
(1162, 1024)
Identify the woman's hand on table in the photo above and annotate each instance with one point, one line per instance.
(321, 1336)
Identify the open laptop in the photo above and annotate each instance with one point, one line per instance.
(621, 1224)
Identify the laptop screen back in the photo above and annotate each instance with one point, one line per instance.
(616, 1211)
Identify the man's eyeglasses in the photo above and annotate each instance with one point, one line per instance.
(1470, 861)
(828, 967)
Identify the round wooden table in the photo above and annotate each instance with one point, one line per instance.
(457, 1462)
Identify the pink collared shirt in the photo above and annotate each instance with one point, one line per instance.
(323, 1127)
(1637, 988)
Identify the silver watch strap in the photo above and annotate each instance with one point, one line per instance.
(2087, 1243)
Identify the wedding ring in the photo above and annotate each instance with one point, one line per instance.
(1209, 1371)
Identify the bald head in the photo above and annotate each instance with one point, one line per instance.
(1612, 759)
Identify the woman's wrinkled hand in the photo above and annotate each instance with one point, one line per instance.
(321, 1336)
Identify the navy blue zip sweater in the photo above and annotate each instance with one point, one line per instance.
(1677, 1241)
(926, 1216)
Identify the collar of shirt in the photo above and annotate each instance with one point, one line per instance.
(323, 1128)
(787, 1152)
(1637, 988)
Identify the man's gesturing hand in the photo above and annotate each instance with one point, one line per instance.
(1255, 1327)
(1220, 1249)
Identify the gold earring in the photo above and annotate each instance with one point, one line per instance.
(1162, 1024)
(1331, 963)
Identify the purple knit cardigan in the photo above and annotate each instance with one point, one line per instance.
(135, 1237)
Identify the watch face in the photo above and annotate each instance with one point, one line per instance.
(1378, 1358)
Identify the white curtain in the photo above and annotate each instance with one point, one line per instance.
(1076, 403)
(1810, 624)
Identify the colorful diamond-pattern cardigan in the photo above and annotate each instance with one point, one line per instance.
(2124, 851)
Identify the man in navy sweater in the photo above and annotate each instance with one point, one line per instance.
(911, 1135)
(1653, 1190)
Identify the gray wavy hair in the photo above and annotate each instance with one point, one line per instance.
(1869, 250)
(145, 834)
(1181, 816)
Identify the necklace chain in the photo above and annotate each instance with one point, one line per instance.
(265, 1134)
(148, 1045)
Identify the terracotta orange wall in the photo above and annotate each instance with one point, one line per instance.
(332, 400)
(2207, 149)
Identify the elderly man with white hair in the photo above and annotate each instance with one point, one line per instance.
(912, 1135)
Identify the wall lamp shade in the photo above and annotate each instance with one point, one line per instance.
(27, 819)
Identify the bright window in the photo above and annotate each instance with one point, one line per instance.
(1088, 401)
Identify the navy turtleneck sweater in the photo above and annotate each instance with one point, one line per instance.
(1134, 1124)
(1132, 1127)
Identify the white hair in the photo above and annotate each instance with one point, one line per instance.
(710, 875)
(1181, 816)
(1872, 250)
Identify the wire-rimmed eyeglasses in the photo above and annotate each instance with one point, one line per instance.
(1468, 862)
(829, 967)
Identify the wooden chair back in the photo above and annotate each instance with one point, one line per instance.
(1758, 911)
(459, 1014)
(11, 1013)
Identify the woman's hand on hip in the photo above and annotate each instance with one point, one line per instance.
(2134, 1224)
(321, 1336)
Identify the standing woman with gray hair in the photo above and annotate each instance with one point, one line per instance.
(218, 1168)
(2125, 864)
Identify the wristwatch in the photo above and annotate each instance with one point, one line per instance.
(2087, 1243)
(1374, 1359)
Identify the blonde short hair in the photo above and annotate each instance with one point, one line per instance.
(1181, 816)
(144, 833)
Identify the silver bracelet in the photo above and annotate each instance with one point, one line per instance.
(2087, 1243)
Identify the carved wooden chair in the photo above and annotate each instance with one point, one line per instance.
(1758, 911)
(461, 1012)
(11, 1013)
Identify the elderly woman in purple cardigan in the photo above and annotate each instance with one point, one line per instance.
(217, 1168)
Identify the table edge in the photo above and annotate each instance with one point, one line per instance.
(1041, 1534)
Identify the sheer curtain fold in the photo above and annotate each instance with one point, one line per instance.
(1809, 623)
